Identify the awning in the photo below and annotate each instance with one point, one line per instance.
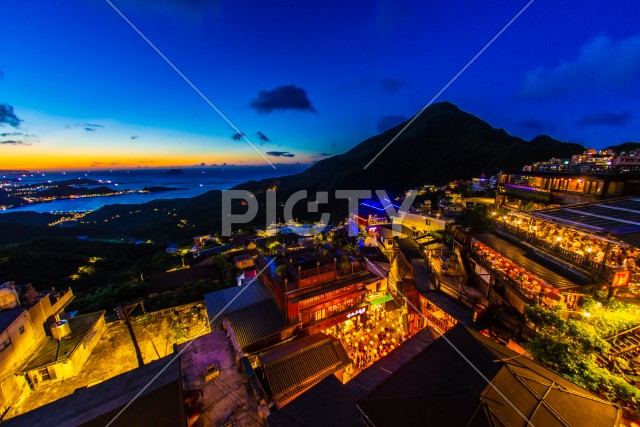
(381, 300)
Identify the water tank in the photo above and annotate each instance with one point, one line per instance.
(60, 330)
(8, 298)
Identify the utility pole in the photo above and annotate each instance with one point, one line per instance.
(123, 313)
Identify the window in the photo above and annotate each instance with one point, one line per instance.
(5, 344)
(320, 314)
(21, 330)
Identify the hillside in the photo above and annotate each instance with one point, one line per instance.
(444, 144)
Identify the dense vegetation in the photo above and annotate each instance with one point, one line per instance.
(102, 274)
(568, 345)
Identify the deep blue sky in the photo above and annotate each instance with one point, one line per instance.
(313, 78)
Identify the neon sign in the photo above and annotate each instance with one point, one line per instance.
(355, 313)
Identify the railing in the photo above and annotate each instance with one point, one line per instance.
(588, 263)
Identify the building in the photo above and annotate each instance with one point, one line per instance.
(24, 325)
(462, 378)
(253, 313)
(218, 385)
(598, 241)
(290, 369)
(61, 357)
(316, 293)
(160, 403)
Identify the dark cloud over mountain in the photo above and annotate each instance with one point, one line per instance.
(280, 154)
(606, 118)
(536, 125)
(288, 97)
(8, 116)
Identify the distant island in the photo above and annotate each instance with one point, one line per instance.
(173, 172)
(158, 189)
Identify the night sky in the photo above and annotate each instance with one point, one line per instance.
(79, 88)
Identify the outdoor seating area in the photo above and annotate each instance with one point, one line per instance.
(602, 255)
(530, 285)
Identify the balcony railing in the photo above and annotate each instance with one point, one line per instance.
(589, 263)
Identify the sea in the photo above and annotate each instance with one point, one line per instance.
(194, 181)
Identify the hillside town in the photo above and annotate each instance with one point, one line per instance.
(502, 300)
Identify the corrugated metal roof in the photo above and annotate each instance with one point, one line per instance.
(250, 294)
(254, 322)
(293, 373)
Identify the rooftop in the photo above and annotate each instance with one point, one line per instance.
(553, 275)
(296, 366)
(440, 387)
(222, 398)
(450, 381)
(619, 216)
(52, 351)
(410, 249)
(97, 405)
(251, 310)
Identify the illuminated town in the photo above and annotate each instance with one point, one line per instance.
(541, 277)
(319, 214)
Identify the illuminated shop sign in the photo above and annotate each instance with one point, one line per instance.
(355, 313)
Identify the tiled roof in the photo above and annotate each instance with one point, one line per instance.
(301, 369)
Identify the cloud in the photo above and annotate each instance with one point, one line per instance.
(536, 125)
(387, 122)
(134, 136)
(288, 97)
(603, 65)
(390, 84)
(280, 154)
(8, 116)
(238, 136)
(88, 127)
(384, 84)
(13, 142)
(262, 137)
(606, 118)
(17, 138)
(320, 155)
